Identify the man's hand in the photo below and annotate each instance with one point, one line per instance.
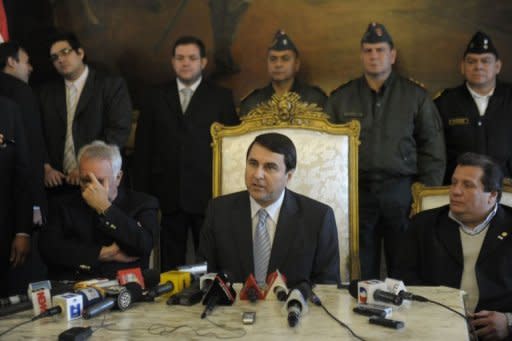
(95, 195)
(20, 248)
(113, 253)
(73, 177)
(52, 177)
(1, 139)
(490, 325)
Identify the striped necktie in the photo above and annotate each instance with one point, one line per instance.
(261, 247)
(69, 162)
(186, 95)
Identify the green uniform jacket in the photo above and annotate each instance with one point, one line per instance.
(401, 131)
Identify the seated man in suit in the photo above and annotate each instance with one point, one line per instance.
(103, 229)
(283, 64)
(467, 244)
(269, 227)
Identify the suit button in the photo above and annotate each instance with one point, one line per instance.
(479, 123)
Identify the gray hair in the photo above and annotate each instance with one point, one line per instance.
(100, 150)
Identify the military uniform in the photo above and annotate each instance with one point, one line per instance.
(307, 93)
(466, 131)
(401, 142)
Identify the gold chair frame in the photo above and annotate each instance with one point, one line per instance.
(288, 112)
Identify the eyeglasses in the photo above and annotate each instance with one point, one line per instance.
(61, 53)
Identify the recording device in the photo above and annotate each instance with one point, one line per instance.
(98, 308)
(221, 292)
(251, 291)
(296, 305)
(248, 317)
(188, 296)
(71, 305)
(371, 291)
(372, 310)
(394, 324)
(276, 287)
(75, 334)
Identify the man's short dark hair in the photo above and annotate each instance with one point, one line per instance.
(187, 40)
(9, 49)
(492, 179)
(280, 144)
(70, 37)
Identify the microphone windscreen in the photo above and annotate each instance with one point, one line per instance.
(304, 288)
(151, 278)
(135, 290)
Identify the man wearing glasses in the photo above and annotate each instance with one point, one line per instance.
(85, 105)
(103, 229)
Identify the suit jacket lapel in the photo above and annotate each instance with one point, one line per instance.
(497, 233)
(87, 92)
(241, 224)
(60, 101)
(285, 231)
(197, 98)
(173, 99)
(449, 237)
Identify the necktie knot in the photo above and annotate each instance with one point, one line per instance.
(262, 215)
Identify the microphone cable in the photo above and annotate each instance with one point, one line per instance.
(50, 312)
(316, 301)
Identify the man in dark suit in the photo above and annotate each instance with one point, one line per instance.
(477, 114)
(16, 70)
(85, 105)
(103, 229)
(15, 195)
(467, 245)
(173, 158)
(283, 64)
(269, 227)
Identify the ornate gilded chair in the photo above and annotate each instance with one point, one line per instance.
(425, 198)
(326, 162)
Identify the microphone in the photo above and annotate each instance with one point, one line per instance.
(276, 287)
(97, 308)
(221, 292)
(296, 305)
(251, 291)
(90, 296)
(131, 275)
(371, 291)
(398, 288)
(49, 312)
(71, 304)
(158, 290)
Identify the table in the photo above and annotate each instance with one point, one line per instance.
(153, 321)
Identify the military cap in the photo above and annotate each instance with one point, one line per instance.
(282, 42)
(481, 43)
(376, 33)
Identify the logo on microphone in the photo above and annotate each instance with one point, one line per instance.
(363, 295)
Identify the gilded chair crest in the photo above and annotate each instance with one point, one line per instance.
(326, 162)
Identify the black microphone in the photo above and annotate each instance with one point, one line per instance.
(378, 294)
(159, 290)
(50, 312)
(221, 292)
(296, 304)
(406, 295)
(97, 308)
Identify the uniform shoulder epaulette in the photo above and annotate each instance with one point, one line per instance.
(342, 86)
(249, 94)
(417, 82)
(438, 94)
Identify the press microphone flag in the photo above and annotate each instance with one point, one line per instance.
(221, 292)
(277, 289)
(251, 291)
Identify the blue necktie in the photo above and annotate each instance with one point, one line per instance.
(261, 247)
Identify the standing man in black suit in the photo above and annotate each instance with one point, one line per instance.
(173, 158)
(15, 195)
(269, 227)
(16, 70)
(85, 105)
(477, 115)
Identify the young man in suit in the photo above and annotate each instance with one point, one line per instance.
(15, 196)
(467, 244)
(16, 70)
(102, 229)
(173, 158)
(268, 227)
(85, 105)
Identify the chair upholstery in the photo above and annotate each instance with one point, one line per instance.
(326, 162)
(425, 198)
